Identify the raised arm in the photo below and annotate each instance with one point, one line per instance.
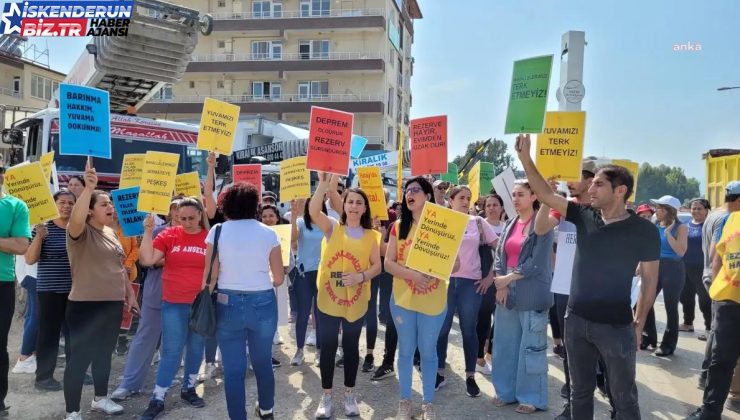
(295, 233)
(34, 250)
(77, 220)
(148, 255)
(314, 207)
(538, 184)
(210, 202)
(335, 200)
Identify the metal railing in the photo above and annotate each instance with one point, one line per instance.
(327, 56)
(10, 92)
(331, 97)
(297, 14)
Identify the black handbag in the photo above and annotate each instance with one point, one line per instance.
(203, 310)
(485, 251)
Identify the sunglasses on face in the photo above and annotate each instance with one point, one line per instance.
(413, 190)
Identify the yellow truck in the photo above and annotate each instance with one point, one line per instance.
(723, 166)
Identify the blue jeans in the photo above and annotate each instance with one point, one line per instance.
(520, 356)
(417, 330)
(31, 319)
(463, 298)
(246, 317)
(305, 290)
(176, 335)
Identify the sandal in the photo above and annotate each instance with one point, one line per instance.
(525, 409)
(498, 402)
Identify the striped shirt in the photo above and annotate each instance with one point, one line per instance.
(54, 274)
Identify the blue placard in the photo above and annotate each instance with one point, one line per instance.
(130, 219)
(357, 146)
(84, 121)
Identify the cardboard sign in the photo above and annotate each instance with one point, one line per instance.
(504, 184)
(451, 175)
(47, 159)
(437, 240)
(188, 185)
(480, 180)
(27, 183)
(560, 146)
(251, 173)
(428, 145)
(295, 180)
(381, 160)
(84, 121)
(530, 82)
(131, 169)
(126, 201)
(358, 145)
(563, 269)
(283, 233)
(218, 126)
(329, 141)
(372, 184)
(634, 169)
(128, 317)
(157, 182)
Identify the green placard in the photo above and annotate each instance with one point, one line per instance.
(528, 98)
(451, 175)
(486, 178)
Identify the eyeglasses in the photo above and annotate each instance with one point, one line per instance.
(413, 190)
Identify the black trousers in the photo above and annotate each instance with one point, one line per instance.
(93, 331)
(7, 308)
(485, 320)
(52, 318)
(371, 317)
(329, 338)
(391, 335)
(725, 352)
(561, 306)
(671, 277)
(694, 286)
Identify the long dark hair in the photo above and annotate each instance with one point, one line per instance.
(525, 183)
(366, 220)
(274, 209)
(307, 215)
(500, 200)
(406, 218)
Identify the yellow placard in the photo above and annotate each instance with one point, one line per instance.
(436, 241)
(474, 183)
(634, 169)
(283, 233)
(372, 184)
(47, 160)
(131, 170)
(218, 126)
(26, 182)
(560, 146)
(188, 185)
(295, 180)
(157, 182)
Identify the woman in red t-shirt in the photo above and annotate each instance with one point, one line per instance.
(183, 248)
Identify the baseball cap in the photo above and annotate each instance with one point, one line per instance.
(589, 166)
(439, 182)
(269, 194)
(668, 200)
(643, 208)
(733, 188)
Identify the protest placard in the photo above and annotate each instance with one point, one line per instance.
(157, 182)
(381, 160)
(188, 185)
(358, 145)
(27, 183)
(560, 146)
(474, 183)
(329, 141)
(428, 145)
(126, 201)
(84, 121)
(530, 82)
(634, 169)
(372, 184)
(217, 126)
(451, 175)
(47, 159)
(131, 170)
(437, 240)
(128, 317)
(480, 180)
(295, 180)
(251, 173)
(283, 233)
(503, 183)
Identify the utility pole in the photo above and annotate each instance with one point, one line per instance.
(571, 91)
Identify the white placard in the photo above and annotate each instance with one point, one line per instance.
(503, 184)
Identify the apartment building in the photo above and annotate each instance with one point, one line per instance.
(277, 58)
(26, 86)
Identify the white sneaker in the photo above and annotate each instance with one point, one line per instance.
(120, 394)
(350, 405)
(325, 410)
(298, 358)
(485, 369)
(26, 366)
(208, 373)
(428, 412)
(404, 410)
(311, 338)
(75, 415)
(277, 339)
(107, 406)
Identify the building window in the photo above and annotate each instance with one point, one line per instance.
(221, 3)
(17, 84)
(314, 89)
(165, 92)
(267, 90)
(315, 8)
(267, 50)
(220, 84)
(42, 87)
(220, 44)
(261, 9)
(390, 101)
(191, 84)
(314, 49)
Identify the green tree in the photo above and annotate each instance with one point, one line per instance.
(495, 152)
(657, 181)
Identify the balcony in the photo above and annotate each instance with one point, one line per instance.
(250, 104)
(297, 20)
(331, 61)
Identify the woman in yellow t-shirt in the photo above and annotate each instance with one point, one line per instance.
(350, 258)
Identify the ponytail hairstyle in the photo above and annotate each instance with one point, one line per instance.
(406, 217)
(194, 202)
